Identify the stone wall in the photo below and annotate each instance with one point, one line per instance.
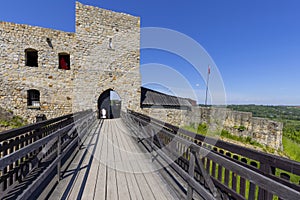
(107, 54)
(104, 54)
(173, 116)
(55, 85)
(264, 131)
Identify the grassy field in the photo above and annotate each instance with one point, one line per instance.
(291, 149)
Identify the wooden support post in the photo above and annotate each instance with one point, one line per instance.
(264, 194)
(284, 176)
(252, 189)
(207, 179)
(191, 173)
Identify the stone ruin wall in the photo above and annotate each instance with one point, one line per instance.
(264, 131)
(175, 117)
(95, 65)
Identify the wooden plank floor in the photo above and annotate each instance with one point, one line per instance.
(111, 165)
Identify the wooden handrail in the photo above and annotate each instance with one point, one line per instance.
(280, 162)
(5, 135)
(26, 148)
(262, 177)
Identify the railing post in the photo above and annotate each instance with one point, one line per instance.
(263, 194)
(191, 172)
(284, 176)
(58, 155)
(252, 188)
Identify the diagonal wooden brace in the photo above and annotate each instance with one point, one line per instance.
(205, 175)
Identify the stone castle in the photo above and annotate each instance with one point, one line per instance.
(56, 73)
(51, 72)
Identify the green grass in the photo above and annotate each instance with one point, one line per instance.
(15, 122)
(291, 130)
(245, 140)
(190, 128)
(203, 130)
(291, 149)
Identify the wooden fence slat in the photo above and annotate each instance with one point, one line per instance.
(243, 181)
(234, 176)
(264, 194)
(284, 176)
(4, 171)
(191, 171)
(17, 163)
(220, 169)
(252, 188)
(227, 172)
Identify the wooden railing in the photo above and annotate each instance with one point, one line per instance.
(236, 171)
(30, 154)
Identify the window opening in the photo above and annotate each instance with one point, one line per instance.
(31, 57)
(64, 61)
(33, 98)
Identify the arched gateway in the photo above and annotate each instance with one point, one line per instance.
(109, 105)
(98, 55)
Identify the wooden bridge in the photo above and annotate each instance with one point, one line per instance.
(135, 157)
(110, 165)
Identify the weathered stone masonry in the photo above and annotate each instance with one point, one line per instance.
(264, 131)
(104, 54)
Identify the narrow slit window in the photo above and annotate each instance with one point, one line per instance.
(64, 61)
(33, 98)
(31, 57)
(110, 43)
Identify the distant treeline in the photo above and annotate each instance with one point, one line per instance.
(271, 112)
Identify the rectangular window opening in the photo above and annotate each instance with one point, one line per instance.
(31, 58)
(64, 61)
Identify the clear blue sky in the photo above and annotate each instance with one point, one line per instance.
(255, 43)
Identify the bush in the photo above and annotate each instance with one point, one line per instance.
(15, 122)
(225, 133)
(241, 128)
(202, 129)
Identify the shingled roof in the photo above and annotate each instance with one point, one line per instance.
(152, 98)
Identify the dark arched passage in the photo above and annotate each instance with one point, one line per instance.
(111, 102)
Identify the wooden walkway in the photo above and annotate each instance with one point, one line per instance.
(111, 165)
